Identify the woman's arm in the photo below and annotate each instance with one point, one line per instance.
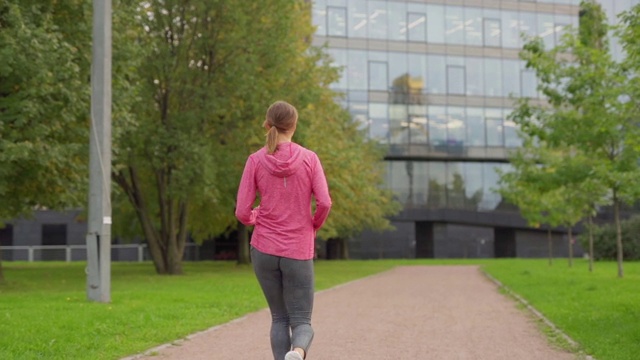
(321, 193)
(247, 195)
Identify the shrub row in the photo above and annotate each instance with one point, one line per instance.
(604, 240)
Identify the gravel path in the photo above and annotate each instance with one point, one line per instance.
(416, 312)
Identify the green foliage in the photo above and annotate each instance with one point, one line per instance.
(604, 240)
(581, 148)
(43, 107)
(204, 75)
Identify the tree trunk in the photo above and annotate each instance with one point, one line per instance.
(570, 247)
(243, 244)
(166, 245)
(344, 249)
(1, 273)
(550, 247)
(590, 244)
(616, 214)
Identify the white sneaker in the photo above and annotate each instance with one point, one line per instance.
(293, 355)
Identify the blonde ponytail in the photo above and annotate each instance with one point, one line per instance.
(272, 139)
(281, 117)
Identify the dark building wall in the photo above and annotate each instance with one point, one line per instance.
(463, 241)
(28, 231)
(535, 244)
(399, 243)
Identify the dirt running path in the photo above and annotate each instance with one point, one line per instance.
(417, 312)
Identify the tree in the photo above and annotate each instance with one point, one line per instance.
(209, 70)
(584, 117)
(44, 97)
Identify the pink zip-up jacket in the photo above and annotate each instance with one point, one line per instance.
(285, 181)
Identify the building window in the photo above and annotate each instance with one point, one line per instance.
(55, 234)
(397, 21)
(473, 26)
(417, 27)
(454, 24)
(378, 76)
(378, 20)
(493, 76)
(379, 122)
(492, 32)
(529, 83)
(475, 127)
(495, 130)
(435, 24)
(475, 76)
(456, 80)
(336, 21)
(320, 17)
(358, 19)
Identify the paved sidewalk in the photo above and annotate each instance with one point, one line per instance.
(415, 312)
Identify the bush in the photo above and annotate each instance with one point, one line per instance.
(604, 240)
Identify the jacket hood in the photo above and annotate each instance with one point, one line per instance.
(285, 161)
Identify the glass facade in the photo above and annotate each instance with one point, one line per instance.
(435, 84)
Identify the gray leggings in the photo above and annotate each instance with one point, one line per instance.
(287, 285)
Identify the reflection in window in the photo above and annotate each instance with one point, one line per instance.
(511, 137)
(418, 71)
(510, 29)
(378, 22)
(493, 76)
(336, 21)
(490, 198)
(397, 69)
(492, 33)
(435, 24)
(418, 186)
(475, 127)
(399, 124)
(398, 180)
(438, 127)
(320, 17)
(493, 121)
(360, 114)
(546, 30)
(378, 120)
(339, 57)
(417, 27)
(418, 124)
(357, 70)
(473, 184)
(455, 186)
(454, 25)
(358, 19)
(473, 26)
(529, 83)
(475, 76)
(436, 74)
(437, 185)
(511, 78)
(397, 21)
(456, 129)
(378, 78)
(528, 24)
(455, 79)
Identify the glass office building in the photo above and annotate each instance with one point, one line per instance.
(433, 80)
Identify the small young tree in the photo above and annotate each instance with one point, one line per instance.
(586, 115)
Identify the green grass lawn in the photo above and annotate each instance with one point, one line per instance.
(44, 313)
(598, 310)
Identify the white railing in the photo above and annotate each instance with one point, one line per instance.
(68, 253)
